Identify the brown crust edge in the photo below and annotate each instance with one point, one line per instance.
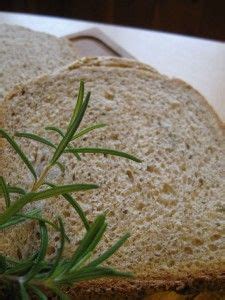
(138, 289)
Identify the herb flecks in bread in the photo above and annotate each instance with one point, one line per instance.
(35, 274)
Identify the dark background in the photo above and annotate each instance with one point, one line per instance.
(203, 18)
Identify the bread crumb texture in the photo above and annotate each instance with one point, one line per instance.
(172, 203)
(25, 54)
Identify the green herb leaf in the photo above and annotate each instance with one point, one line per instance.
(60, 132)
(20, 267)
(108, 253)
(18, 150)
(61, 166)
(55, 129)
(31, 197)
(23, 266)
(3, 264)
(79, 102)
(23, 292)
(60, 249)
(87, 130)
(15, 220)
(75, 205)
(41, 254)
(59, 293)
(103, 151)
(12, 190)
(35, 215)
(5, 191)
(78, 209)
(16, 190)
(70, 132)
(39, 293)
(35, 137)
(88, 240)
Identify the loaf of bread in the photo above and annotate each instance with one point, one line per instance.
(25, 54)
(172, 203)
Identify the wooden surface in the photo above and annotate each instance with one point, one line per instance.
(199, 62)
(203, 18)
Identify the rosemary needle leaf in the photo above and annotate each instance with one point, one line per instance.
(97, 225)
(59, 190)
(14, 221)
(35, 137)
(41, 254)
(75, 205)
(87, 130)
(20, 268)
(35, 215)
(97, 238)
(55, 129)
(12, 190)
(78, 209)
(89, 251)
(39, 293)
(109, 252)
(103, 151)
(59, 293)
(71, 131)
(16, 190)
(5, 191)
(60, 249)
(23, 266)
(31, 197)
(23, 293)
(18, 150)
(61, 166)
(79, 102)
(3, 263)
(60, 132)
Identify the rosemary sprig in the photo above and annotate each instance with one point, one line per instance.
(30, 197)
(36, 274)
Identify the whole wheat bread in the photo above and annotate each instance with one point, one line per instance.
(172, 203)
(25, 54)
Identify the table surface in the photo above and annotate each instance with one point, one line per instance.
(199, 62)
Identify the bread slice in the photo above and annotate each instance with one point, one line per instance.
(25, 54)
(172, 203)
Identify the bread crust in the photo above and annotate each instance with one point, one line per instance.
(140, 287)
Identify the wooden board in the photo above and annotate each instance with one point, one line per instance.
(94, 42)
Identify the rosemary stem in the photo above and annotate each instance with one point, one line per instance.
(41, 179)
